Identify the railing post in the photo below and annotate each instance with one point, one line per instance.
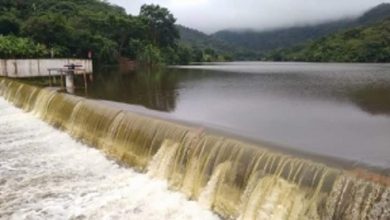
(69, 81)
(50, 83)
(62, 78)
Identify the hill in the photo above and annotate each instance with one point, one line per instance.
(272, 39)
(195, 38)
(198, 40)
(370, 43)
(266, 41)
(374, 15)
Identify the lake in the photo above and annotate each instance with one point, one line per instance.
(333, 110)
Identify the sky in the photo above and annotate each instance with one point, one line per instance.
(214, 15)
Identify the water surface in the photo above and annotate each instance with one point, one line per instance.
(336, 110)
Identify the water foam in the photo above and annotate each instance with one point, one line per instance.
(45, 174)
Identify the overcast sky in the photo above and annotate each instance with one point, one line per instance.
(213, 15)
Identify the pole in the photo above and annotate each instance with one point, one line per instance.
(62, 79)
(50, 83)
(85, 80)
(69, 81)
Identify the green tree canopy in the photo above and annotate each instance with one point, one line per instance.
(9, 24)
(364, 44)
(16, 47)
(160, 24)
(72, 28)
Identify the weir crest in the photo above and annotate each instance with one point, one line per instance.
(234, 179)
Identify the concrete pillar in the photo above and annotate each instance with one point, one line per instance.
(69, 81)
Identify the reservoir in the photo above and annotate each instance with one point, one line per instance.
(191, 131)
(334, 110)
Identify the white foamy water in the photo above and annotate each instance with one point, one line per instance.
(45, 174)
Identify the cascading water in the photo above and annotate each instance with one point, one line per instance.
(232, 178)
(45, 174)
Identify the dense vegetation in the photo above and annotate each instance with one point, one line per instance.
(16, 47)
(364, 44)
(375, 15)
(265, 41)
(255, 45)
(72, 28)
(211, 47)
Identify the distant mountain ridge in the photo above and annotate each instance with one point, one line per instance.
(281, 38)
(250, 44)
(286, 37)
(368, 43)
(376, 14)
(201, 40)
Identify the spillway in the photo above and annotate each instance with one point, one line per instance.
(45, 174)
(234, 179)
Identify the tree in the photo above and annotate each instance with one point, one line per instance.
(73, 27)
(150, 55)
(16, 47)
(9, 25)
(160, 23)
(197, 55)
(50, 29)
(170, 55)
(184, 54)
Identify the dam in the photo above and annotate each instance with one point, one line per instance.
(232, 178)
(45, 174)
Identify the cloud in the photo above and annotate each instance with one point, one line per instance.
(214, 15)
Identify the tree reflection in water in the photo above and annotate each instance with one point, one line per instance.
(374, 100)
(152, 88)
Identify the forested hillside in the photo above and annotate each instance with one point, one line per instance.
(198, 39)
(204, 47)
(375, 14)
(265, 41)
(268, 40)
(370, 43)
(213, 47)
(72, 28)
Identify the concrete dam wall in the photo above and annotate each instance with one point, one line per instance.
(235, 179)
(22, 68)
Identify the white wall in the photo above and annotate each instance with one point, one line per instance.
(38, 67)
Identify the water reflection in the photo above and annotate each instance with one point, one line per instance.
(374, 100)
(152, 88)
(160, 88)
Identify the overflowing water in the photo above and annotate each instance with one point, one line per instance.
(335, 110)
(232, 178)
(45, 174)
